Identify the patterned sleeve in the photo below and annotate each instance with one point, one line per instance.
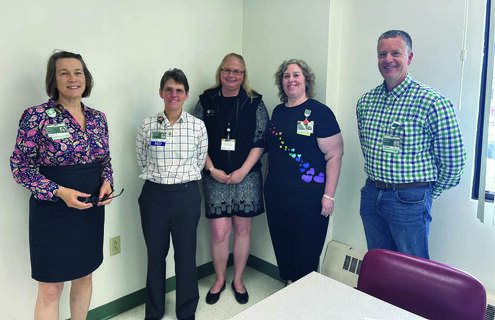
(198, 110)
(105, 164)
(202, 146)
(142, 145)
(448, 148)
(23, 159)
(262, 119)
(359, 124)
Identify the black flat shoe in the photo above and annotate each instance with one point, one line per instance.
(212, 298)
(241, 298)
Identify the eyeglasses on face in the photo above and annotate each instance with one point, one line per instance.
(235, 72)
(94, 199)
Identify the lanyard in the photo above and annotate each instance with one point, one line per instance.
(233, 112)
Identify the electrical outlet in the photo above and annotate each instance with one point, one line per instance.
(115, 245)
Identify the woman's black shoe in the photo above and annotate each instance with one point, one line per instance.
(241, 298)
(212, 298)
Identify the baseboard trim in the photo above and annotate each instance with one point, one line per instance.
(137, 298)
(263, 266)
(119, 306)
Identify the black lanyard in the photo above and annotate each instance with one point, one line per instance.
(233, 112)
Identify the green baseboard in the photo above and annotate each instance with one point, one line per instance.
(118, 306)
(262, 266)
(137, 298)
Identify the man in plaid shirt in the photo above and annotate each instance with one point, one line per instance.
(412, 148)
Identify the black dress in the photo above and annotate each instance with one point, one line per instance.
(248, 119)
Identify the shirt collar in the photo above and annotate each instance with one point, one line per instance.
(162, 118)
(52, 104)
(400, 89)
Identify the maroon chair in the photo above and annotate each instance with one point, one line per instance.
(424, 287)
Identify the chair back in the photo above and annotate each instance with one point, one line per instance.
(424, 287)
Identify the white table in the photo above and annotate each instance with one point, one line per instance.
(317, 297)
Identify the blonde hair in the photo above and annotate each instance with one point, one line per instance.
(250, 92)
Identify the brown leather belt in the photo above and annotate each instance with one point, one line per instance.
(398, 186)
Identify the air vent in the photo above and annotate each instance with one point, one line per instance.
(342, 263)
(352, 264)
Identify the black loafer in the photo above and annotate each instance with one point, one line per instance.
(241, 298)
(212, 298)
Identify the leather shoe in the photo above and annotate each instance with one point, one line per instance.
(212, 298)
(241, 298)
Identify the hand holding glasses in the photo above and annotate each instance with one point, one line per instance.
(95, 199)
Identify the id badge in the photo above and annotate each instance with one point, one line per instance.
(305, 127)
(158, 138)
(391, 144)
(57, 131)
(228, 145)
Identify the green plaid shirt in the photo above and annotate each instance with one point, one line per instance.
(423, 123)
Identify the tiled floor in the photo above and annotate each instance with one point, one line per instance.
(258, 285)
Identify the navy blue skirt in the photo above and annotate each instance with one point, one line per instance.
(66, 243)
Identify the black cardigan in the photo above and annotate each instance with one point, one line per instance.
(243, 130)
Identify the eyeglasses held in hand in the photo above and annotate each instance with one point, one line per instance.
(95, 200)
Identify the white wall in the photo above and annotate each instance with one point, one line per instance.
(338, 39)
(437, 29)
(275, 31)
(127, 45)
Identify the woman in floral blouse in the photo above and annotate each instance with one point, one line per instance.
(62, 157)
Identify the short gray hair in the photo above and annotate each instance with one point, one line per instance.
(397, 33)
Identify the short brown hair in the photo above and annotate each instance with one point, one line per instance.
(309, 78)
(177, 75)
(51, 82)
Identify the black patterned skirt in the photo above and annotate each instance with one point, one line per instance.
(66, 243)
(244, 199)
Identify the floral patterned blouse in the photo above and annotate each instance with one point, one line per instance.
(35, 147)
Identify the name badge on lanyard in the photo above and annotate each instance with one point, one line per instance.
(228, 145)
(57, 131)
(158, 138)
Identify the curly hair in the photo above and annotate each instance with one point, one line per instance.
(309, 78)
